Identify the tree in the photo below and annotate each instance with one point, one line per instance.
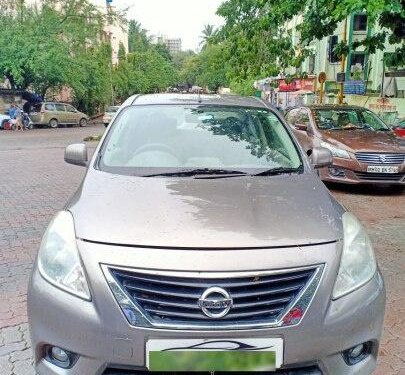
(121, 52)
(180, 58)
(207, 34)
(258, 32)
(56, 43)
(207, 69)
(163, 51)
(138, 39)
(142, 72)
(212, 67)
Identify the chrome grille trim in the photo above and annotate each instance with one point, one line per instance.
(187, 315)
(379, 158)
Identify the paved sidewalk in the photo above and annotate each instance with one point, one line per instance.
(35, 183)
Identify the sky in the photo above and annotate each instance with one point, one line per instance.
(183, 19)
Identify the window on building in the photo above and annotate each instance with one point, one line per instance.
(358, 58)
(333, 57)
(360, 22)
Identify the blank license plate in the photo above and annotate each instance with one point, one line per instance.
(382, 169)
(214, 355)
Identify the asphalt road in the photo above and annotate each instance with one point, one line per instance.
(35, 183)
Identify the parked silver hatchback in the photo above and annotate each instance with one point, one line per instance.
(202, 239)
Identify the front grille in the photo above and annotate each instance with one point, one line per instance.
(380, 176)
(380, 158)
(174, 300)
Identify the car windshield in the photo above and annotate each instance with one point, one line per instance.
(348, 119)
(177, 138)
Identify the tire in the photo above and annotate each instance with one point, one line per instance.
(83, 122)
(53, 123)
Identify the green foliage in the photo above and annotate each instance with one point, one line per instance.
(122, 53)
(91, 81)
(212, 65)
(54, 44)
(257, 32)
(142, 72)
(163, 51)
(138, 39)
(207, 34)
(207, 69)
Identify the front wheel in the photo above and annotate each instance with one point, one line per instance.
(53, 123)
(83, 123)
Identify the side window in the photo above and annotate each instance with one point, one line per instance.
(60, 107)
(49, 107)
(69, 108)
(291, 116)
(370, 120)
(303, 117)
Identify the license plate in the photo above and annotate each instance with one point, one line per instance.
(262, 354)
(382, 169)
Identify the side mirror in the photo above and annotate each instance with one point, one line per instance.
(302, 127)
(321, 157)
(76, 154)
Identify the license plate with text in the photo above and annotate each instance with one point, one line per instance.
(382, 169)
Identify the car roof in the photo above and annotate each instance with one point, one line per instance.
(333, 106)
(195, 99)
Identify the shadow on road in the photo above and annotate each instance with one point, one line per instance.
(373, 190)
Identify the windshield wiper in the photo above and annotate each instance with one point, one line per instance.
(280, 170)
(196, 172)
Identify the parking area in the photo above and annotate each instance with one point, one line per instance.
(35, 183)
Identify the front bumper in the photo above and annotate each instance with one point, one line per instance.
(355, 173)
(99, 333)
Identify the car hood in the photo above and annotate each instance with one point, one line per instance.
(239, 212)
(363, 140)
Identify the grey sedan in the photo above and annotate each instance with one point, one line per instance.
(202, 239)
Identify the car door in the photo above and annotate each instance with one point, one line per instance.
(61, 115)
(72, 114)
(301, 125)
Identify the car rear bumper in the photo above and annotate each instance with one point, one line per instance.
(103, 339)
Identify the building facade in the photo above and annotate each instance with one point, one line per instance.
(174, 45)
(114, 33)
(359, 65)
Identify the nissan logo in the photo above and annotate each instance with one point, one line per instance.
(215, 302)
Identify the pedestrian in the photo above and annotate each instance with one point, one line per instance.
(19, 119)
(12, 111)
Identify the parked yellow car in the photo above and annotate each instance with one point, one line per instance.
(55, 114)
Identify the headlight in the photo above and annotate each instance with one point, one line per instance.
(58, 258)
(358, 264)
(336, 151)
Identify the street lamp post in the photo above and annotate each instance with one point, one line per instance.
(343, 62)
